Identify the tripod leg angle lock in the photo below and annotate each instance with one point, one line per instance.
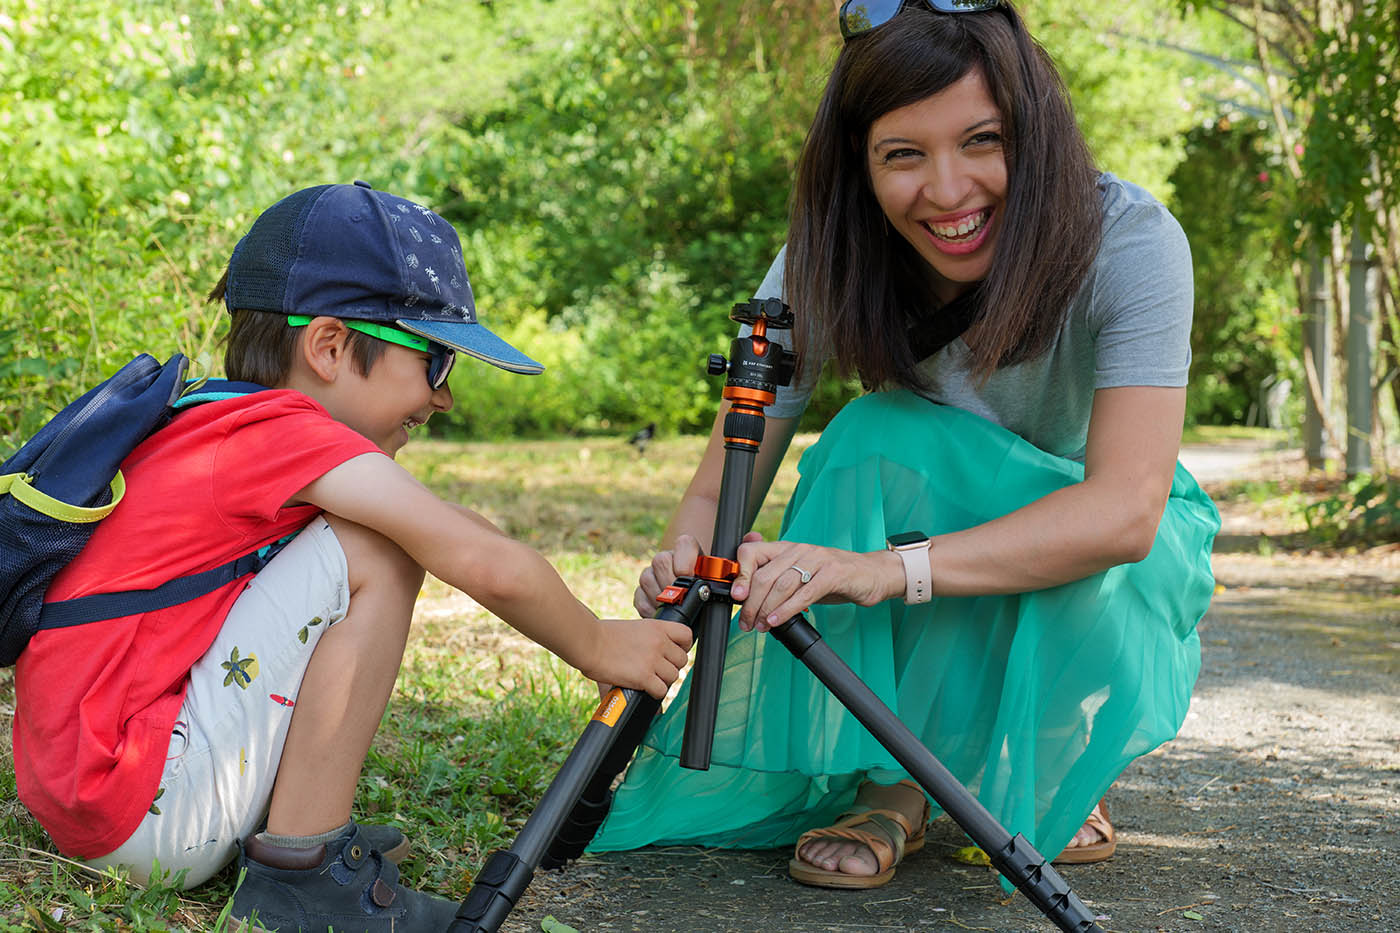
(577, 801)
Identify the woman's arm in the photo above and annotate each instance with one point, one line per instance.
(691, 527)
(1110, 518)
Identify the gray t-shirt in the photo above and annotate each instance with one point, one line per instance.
(1129, 325)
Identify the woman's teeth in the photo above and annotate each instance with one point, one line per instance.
(960, 230)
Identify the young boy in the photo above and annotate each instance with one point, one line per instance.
(168, 736)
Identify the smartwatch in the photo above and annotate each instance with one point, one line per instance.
(912, 548)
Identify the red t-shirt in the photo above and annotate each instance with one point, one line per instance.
(95, 704)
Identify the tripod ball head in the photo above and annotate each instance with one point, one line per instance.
(771, 311)
(755, 362)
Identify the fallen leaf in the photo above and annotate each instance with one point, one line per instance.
(971, 855)
(550, 925)
(1192, 915)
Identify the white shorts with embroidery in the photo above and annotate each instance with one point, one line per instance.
(228, 737)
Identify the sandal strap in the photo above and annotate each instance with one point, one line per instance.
(1101, 823)
(887, 845)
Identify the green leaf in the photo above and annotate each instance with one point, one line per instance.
(1192, 915)
(550, 925)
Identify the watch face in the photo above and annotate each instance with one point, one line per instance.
(905, 538)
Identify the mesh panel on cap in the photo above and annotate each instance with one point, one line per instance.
(263, 260)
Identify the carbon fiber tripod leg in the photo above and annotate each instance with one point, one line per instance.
(1014, 857)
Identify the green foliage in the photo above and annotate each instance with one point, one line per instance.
(1126, 85)
(1351, 147)
(1232, 197)
(1334, 102)
(1365, 510)
(637, 189)
(136, 140)
(619, 170)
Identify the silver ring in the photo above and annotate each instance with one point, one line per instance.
(806, 577)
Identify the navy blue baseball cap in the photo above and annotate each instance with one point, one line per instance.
(352, 252)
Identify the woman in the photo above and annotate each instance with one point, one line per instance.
(1024, 322)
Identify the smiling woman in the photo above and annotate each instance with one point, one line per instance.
(997, 538)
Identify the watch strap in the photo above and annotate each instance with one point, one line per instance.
(918, 582)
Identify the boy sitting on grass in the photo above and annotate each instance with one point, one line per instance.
(168, 736)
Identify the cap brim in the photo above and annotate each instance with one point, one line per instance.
(475, 341)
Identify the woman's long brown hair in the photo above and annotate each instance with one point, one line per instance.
(856, 286)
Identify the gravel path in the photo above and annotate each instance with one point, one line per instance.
(1277, 808)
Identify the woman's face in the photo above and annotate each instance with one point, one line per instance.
(938, 168)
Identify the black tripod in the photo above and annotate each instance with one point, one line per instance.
(574, 805)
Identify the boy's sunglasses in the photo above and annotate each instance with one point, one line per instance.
(860, 16)
(443, 358)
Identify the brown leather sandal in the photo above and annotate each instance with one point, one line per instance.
(886, 833)
(1094, 851)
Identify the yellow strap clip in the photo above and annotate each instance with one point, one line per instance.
(21, 486)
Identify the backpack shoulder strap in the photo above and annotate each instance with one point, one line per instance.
(214, 390)
(100, 606)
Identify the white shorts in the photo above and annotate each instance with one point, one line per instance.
(228, 737)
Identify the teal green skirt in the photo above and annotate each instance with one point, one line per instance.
(1036, 702)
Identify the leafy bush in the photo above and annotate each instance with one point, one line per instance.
(619, 170)
(1231, 197)
(138, 140)
(631, 189)
(1366, 510)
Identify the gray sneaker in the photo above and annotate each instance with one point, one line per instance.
(346, 886)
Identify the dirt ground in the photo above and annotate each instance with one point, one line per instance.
(1277, 808)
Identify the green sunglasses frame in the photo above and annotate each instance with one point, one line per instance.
(852, 31)
(443, 357)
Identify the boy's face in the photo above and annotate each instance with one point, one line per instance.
(385, 405)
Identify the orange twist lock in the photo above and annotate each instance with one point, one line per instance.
(716, 569)
(751, 400)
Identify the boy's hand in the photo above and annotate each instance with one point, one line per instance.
(645, 654)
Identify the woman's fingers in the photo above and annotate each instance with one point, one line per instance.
(779, 579)
(665, 567)
(684, 555)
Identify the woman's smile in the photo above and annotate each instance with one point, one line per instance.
(960, 235)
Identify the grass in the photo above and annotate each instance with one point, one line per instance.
(1224, 434)
(481, 717)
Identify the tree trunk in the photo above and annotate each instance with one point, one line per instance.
(1317, 356)
(1359, 356)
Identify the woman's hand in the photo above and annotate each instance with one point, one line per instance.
(779, 579)
(665, 567)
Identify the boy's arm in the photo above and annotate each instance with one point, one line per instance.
(510, 579)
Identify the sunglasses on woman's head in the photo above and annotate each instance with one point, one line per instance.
(443, 358)
(860, 16)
